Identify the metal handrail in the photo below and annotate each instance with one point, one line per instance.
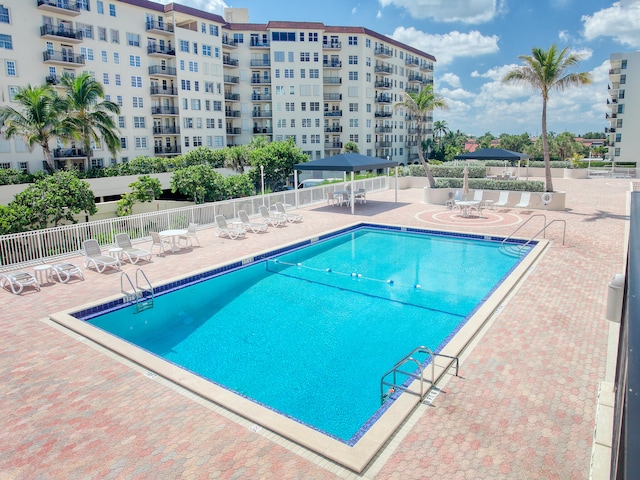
(523, 224)
(127, 294)
(409, 358)
(564, 232)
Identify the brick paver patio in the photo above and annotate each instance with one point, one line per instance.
(524, 407)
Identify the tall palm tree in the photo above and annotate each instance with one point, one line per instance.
(39, 119)
(91, 115)
(440, 129)
(546, 71)
(419, 106)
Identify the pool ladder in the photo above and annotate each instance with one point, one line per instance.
(517, 250)
(409, 358)
(143, 296)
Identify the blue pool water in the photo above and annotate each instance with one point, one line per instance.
(310, 332)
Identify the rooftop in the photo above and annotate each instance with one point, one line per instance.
(524, 406)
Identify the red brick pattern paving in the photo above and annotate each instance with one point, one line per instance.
(524, 407)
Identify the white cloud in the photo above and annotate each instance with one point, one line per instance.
(465, 11)
(379, 14)
(450, 79)
(621, 21)
(354, 10)
(449, 46)
(564, 36)
(211, 6)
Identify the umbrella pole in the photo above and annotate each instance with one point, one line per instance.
(295, 187)
(353, 194)
(396, 184)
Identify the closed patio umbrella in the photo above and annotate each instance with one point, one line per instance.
(465, 183)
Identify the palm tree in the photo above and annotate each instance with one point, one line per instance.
(419, 106)
(440, 129)
(38, 121)
(546, 71)
(89, 114)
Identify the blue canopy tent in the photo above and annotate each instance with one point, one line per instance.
(345, 162)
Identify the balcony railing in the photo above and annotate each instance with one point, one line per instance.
(332, 97)
(332, 64)
(233, 97)
(333, 129)
(162, 70)
(383, 69)
(170, 91)
(333, 113)
(234, 131)
(381, 114)
(64, 5)
(383, 84)
(259, 43)
(333, 146)
(384, 129)
(332, 45)
(332, 80)
(154, 48)
(261, 114)
(61, 31)
(69, 153)
(167, 150)
(229, 62)
(261, 97)
(159, 26)
(383, 99)
(383, 52)
(383, 144)
(164, 110)
(260, 80)
(168, 130)
(411, 62)
(426, 66)
(231, 79)
(232, 113)
(260, 62)
(229, 42)
(263, 130)
(62, 57)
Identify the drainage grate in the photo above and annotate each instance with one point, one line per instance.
(255, 428)
(431, 396)
(149, 374)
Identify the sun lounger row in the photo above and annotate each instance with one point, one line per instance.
(17, 281)
(239, 227)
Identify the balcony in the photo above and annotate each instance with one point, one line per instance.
(262, 131)
(411, 143)
(332, 80)
(383, 69)
(415, 77)
(383, 144)
(234, 131)
(62, 58)
(265, 62)
(383, 99)
(175, 150)
(335, 45)
(332, 64)
(52, 80)
(382, 114)
(164, 110)
(261, 97)
(160, 28)
(384, 84)
(229, 62)
(160, 50)
(426, 66)
(261, 114)
(231, 79)
(333, 113)
(332, 97)
(415, 90)
(61, 7)
(229, 42)
(383, 51)
(608, 115)
(166, 130)
(384, 129)
(167, 92)
(333, 146)
(232, 97)
(162, 70)
(62, 33)
(256, 80)
(333, 129)
(256, 43)
(231, 113)
(411, 62)
(69, 153)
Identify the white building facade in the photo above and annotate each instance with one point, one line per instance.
(624, 104)
(186, 78)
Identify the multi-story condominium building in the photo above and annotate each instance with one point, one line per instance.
(624, 104)
(185, 78)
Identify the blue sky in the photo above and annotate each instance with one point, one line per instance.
(476, 42)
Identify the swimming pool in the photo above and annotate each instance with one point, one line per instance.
(332, 348)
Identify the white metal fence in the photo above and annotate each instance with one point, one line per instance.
(38, 246)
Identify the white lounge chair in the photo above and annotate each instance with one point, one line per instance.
(95, 258)
(478, 196)
(160, 242)
(132, 253)
(192, 231)
(289, 217)
(525, 199)
(18, 280)
(503, 199)
(64, 271)
(223, 230)
(267, 218)
(247, 224)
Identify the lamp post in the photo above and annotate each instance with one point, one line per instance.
(262, 181)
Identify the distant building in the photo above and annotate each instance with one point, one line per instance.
(624, 105)
(185, 78)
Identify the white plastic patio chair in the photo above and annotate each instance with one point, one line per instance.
(224, 230)
(247, 224)
(132, 253)
(525, 200)
(192, 231)
(160, 242)
(289, 217)
(64, 271)
(18, 280)
(95, 258)
(503, 199)
(272, 220)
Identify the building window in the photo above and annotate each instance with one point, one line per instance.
(353, 107)
(353, 75)
(314, 106)
(314, 73)
(141, 142)
(195, 48)
(238, 38)
(188, 122)
(105, 78)
(136, 81)
(116, 58)
(121, 122)
(138, 102)
(185, 84)
(115, 36)
(353, 40)
(197, 141)
(305, 57)
(4, 15)
(102, 34)
(11, 68)
(112, 10)
(118, 80)
(134, 60)
(184, 46)
(133, 39)
(195, 104)
(206, 50)
(123, 143)
(623, 79)
(193, 67)
(103, 56)
(213, 30)
(119, 100)
(6, 42)
(217, 106)
(87, 53)
(353, 59)
(100, 7)
(623, 66)
(139, 122)
(367, 43)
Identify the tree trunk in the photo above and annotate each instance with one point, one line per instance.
(545, 147)
(427, 170)
(48, 157)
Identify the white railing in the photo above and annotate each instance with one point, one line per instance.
(50, 244)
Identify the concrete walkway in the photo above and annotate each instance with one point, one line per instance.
(524, 407)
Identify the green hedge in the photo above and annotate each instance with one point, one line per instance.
(490, 184)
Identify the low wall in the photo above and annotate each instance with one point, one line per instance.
(439, 196)
(108, 209)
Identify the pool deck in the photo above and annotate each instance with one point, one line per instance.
(524, 406)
